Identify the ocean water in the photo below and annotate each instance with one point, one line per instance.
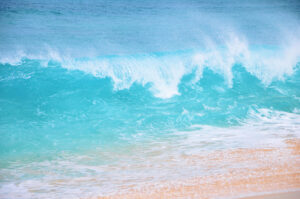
(93, 92)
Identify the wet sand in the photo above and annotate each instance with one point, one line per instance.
(242, 173)
(286, 195)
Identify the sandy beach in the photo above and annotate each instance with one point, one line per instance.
(257, 174)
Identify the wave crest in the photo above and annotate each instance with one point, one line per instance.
(163, 71)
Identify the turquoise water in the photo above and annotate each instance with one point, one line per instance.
(87, 86)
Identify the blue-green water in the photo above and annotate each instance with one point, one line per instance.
(88, 85)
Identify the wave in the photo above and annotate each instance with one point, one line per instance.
(65, 102)
(163, 71)
(157, 91)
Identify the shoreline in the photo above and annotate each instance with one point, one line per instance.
(251, 174)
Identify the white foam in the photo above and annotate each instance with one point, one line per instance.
(163, 72)
(73, 175)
